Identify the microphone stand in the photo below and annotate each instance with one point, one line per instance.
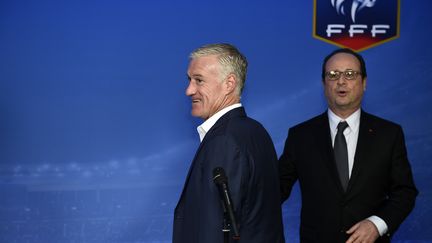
(229, 221)
(226, 228)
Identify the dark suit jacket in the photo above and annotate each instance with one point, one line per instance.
(381, 182)
(244, 149)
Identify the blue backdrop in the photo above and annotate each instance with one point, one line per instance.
(96, 135)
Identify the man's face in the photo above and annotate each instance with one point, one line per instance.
(205, 88)
(344, 96)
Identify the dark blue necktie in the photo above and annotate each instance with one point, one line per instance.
(341, 154)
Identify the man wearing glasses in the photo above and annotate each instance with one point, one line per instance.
(355, 178)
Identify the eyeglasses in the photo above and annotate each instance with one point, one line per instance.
(348, 74)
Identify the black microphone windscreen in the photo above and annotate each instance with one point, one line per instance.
(219, 175)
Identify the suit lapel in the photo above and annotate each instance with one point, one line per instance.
(324, 138)
(189, 174)
(366, 131)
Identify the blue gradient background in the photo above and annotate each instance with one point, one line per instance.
(96, 135)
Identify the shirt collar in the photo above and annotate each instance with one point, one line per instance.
(353, 120)
(208, 124)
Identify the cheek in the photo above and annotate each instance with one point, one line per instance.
(206, 95)
(359, 90)
(328, 90)
(210, 93)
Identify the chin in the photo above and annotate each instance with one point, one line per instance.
(196, 114)
(342, 102)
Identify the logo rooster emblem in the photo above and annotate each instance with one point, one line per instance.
(356, 6)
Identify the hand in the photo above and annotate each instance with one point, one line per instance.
(363, 232)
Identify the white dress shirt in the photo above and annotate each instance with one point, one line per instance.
(351, 136)
(208, 124)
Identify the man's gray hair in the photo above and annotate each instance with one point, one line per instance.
(230, 58)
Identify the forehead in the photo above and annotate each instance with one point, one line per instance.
(342, 61)
(204, 65)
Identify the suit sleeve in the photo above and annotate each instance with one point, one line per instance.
(402, 191)
(287, 168)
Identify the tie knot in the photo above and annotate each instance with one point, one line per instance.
(342, 126)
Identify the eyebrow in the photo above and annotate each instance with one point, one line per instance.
(336, 70)
(194, 76)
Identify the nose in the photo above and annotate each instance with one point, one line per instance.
(191, 89)
(341, 80)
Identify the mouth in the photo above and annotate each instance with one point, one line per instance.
(195, 101)
(342, 93)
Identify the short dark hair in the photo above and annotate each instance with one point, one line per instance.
(347, 51)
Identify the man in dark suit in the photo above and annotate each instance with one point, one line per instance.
(231, 140)
(355, 179)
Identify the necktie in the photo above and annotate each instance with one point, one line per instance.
(341, 154)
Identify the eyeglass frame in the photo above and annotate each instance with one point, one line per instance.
(343, 73)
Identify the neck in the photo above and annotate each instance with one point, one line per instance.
(343, 113)
(231, 100)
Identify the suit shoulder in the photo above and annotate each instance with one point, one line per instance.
(246, 128)
(239, 126)
(246, 121)
(308, 124)
(379, 122)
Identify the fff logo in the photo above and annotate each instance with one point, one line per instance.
(337, 22)
(356, 6)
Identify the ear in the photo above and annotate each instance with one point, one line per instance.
(364, 84)
(230, 83)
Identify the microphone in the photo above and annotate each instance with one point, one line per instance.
(221, 181)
